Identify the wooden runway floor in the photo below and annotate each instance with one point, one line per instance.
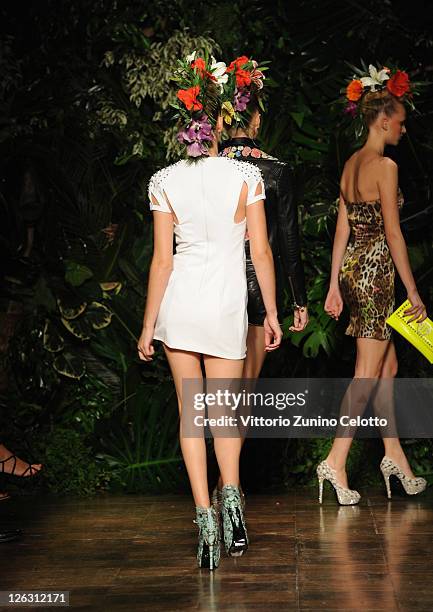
(138, 553)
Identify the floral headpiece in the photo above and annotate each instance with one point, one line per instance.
(393, 80)
(201, 82)
(244, 77)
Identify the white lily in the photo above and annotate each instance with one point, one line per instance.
(191, 58)
(376, 77)
(218, 70)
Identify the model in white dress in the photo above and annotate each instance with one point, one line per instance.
(204, 308)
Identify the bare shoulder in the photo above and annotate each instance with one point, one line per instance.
(349, 165)
(386, 167)
(351, 161)
(346, 171)
(352, 158)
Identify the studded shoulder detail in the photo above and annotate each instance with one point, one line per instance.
(247, 169)
(157, 179)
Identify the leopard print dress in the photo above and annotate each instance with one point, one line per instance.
(367, 273)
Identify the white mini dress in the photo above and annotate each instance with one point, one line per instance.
(204, 308)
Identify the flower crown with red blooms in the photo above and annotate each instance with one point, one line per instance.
(395, 81)
(201, 81)
(208, 84)
(244, 77)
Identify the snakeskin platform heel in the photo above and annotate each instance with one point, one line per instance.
(346, 497)
(412, 486)
(235, 531)
(208, 553)
(217, 498)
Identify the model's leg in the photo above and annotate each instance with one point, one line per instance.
(227, 450)
(393, 448)
(370, 355)
(254, 360)
(185, 364)
(256, 353)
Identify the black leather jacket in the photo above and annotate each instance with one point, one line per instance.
(282, 223)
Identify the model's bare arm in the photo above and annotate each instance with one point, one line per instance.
(342, 233)
(159, 274)
(334, 302)
(388, 188)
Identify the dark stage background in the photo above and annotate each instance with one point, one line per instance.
(84, 122)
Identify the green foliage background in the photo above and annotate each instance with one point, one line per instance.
(84, 100)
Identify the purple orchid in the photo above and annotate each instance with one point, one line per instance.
(351, 109)
(195, 134)
(242, 97)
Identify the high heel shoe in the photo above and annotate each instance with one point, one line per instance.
(216, 498)
(346, 497)
(412, 486)
(28, 472)
(208, 553)
(235, 531)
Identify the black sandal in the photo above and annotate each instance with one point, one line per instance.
(28, 472)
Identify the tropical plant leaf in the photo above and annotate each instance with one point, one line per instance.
(147, 456)
(80, 328)
(53, 341)
(98, 315)
(76, 274)
(69, 365)
(71, 311)
(113, 286)
(298, 118)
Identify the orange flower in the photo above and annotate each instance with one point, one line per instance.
(398, 84)
(354, 90)
(243, 77)
(238, 63)
(200, 65)
(189, 98)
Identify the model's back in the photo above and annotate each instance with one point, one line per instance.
(203, 195)
(203, 308)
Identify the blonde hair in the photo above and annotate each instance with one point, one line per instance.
(375, 102)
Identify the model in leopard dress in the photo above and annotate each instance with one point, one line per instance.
(368, 244)
(367, 274)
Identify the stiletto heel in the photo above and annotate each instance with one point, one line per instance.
(346, 497)
(320, 489)
(412, 486)
(211, 560)
(208, 553)
(388, 486)
(235, 531)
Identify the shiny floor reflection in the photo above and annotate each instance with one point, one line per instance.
(138, 553)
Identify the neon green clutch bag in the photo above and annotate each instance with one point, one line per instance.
(418, 334)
